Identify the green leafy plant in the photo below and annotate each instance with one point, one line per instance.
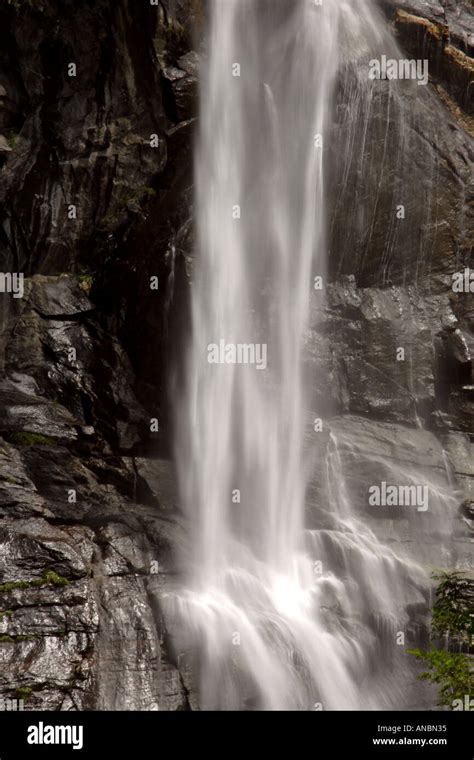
(86, 280)
(453, 672)
(453, 619)
(24, 693)
(453, 610)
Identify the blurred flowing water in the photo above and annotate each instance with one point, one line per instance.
(282, 617)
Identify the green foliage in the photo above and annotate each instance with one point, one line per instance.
(108, 222)
(85, 278)
(49, 578)
(148, 192)
(12, 137)
(31, 439)
(24, 693)
(453, 672)
(117, 213)
(139, 194)
(453, 610)
(86, 281)
(453, 616)
(13, 585)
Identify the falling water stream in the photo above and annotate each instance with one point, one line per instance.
(282, 617)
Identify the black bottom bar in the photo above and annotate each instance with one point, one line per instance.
(316, 735)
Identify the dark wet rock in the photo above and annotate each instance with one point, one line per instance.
(29, 546)
(5, 147)
(133, 636)
(426, 147)
(58, 297)
(58, 673)
(467, 514)
(69, 506)
(18, 495)
(52, 351)
(29, 413)
(73, 501)
(394, 353)
(182, 80)
(104, 625)
(158, 481)
(442, 32)
(467, 508)
(92, 129)
(151, 323)
(441, 13)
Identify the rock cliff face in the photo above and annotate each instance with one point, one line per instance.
(408, 193)
(96, 200)
(88, 214)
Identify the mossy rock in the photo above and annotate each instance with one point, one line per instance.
(24, 693)
(24, 438)
(49, 578)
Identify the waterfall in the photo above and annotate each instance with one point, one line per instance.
(281, 617)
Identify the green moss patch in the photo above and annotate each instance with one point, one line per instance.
(30, 439)
(49, 578)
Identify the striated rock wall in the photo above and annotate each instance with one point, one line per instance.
(87, 526)
(393, 278)
(443, 32)
(85, 536)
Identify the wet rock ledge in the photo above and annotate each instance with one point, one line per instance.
(87, 526)
(95, 177)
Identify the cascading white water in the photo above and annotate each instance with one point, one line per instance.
(273, 629)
